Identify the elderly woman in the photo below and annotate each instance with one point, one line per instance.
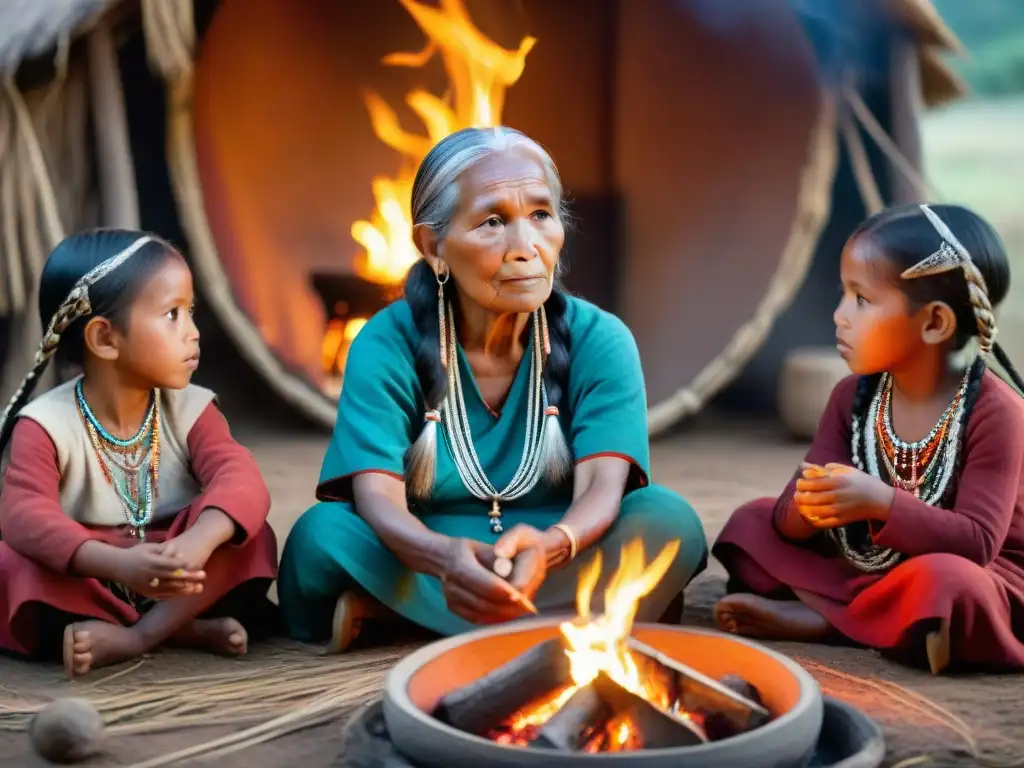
(452, 420)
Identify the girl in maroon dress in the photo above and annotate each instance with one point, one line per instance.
(903, 530)
(129, 516)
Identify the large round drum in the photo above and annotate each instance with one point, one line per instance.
(694, 142)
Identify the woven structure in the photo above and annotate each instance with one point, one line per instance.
(58, 174)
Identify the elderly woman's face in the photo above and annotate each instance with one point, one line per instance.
(503, 243)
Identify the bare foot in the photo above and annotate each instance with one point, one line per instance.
(350, 612)
(91, 644)
(754, 616)
(224, 636)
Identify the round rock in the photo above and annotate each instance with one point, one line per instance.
(67, 730)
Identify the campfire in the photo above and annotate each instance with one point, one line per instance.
(596, 689)
(478, 71)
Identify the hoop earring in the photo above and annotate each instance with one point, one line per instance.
(442, 276)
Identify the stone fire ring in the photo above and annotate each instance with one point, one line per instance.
(417, 683)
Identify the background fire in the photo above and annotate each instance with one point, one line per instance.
(478, 73)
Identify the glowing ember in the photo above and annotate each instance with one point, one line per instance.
(479, 71)
(337, 340)
(597, 644)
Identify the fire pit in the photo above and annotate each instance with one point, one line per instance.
(551, 730)
(596, 687)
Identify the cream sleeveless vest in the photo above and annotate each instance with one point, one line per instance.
(85, 494)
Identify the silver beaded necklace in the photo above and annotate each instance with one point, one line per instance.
(460, 438)
(934, 482)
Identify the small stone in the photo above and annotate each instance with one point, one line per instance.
(503, 567)
(67, 730)
(716, 725)
(737, 684)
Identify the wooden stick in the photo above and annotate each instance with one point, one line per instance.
(696, 692)
(503, 568)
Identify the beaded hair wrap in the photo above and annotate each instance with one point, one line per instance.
(76, 306)
(953, 255)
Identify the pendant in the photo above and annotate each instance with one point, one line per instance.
(138, 533)
(495, 516)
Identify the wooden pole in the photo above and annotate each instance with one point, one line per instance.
(114, 164)
(905, 111)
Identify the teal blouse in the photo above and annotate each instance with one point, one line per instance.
(380, 414)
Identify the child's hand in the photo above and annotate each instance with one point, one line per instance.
(192, 550)
(152, 571)
(836, 495)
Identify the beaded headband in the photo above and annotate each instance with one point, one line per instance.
(953, 255)
(76, 306)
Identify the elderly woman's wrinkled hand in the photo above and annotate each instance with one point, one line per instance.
(472, 589)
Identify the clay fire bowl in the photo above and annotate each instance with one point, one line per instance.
(418, 682)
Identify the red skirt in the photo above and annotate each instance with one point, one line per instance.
(983, 606)
(25, 585)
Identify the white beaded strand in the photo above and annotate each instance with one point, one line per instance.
(874, 558)
(456, 424)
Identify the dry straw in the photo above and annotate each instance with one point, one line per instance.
(923, 706)
(275, 698)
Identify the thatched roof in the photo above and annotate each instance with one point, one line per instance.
(30, 28)
(939, 83)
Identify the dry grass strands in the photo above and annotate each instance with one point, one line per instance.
(247, 694)
(922, 705)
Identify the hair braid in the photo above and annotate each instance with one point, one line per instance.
(866, 387)
(556, 457)
(434, 203)
(981, 305)
(1007, 365)
(421, 288)
(18, 401)
(974, 378)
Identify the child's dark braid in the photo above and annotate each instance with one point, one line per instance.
(974, 379)
(866, 387)
(1007, 365)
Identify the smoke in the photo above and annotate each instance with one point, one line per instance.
(848, 36)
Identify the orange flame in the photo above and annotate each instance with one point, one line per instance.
(596, 644)
(479, 71)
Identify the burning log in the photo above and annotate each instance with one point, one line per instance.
(727, 708)
(582, 720)
(658, 729)
(491, 699)
(571, 727)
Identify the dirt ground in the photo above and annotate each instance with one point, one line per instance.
(716, 465)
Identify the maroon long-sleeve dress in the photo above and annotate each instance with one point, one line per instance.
(40, 540)
(964, 565)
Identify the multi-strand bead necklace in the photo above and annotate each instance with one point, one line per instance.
(924, 468)
(460, 437)
(131, 466)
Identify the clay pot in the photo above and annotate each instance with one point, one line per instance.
(806, 380)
